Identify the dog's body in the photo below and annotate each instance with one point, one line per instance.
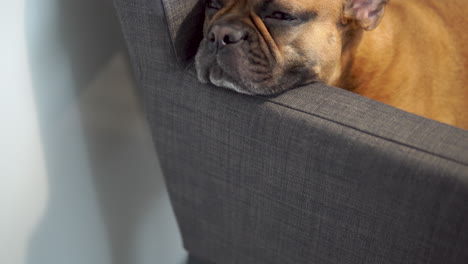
(416, 59)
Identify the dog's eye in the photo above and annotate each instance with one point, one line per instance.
(281, 16)
(212, 4)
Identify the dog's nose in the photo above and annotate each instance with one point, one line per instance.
(224, 35)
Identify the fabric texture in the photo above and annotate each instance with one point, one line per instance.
(315, 175)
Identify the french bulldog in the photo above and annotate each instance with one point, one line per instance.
(411, 54)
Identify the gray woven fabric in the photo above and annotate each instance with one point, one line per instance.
(315, 175)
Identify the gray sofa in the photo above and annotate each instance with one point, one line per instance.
(314, 175)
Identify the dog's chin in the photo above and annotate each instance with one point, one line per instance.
(247, 84)
(244, 85)
(229, 85)
(239, 79)
(222, 78)
(232, 69)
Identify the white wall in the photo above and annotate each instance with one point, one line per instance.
(23, 182)
(25, 177)
(60, 200)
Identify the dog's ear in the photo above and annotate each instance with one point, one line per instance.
(366, 13)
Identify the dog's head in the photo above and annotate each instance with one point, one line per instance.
(269, 46)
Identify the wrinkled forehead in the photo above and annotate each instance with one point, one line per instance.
(291, 5)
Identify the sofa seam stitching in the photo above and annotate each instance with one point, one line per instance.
(368, 133)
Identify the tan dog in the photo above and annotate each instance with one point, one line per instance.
(416, 59)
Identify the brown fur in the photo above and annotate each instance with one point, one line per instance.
(415, 60)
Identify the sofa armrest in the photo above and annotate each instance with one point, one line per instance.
(315, 175)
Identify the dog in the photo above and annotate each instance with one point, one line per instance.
(411, 54)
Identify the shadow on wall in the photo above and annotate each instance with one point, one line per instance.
(136, 208)
(106, 204)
